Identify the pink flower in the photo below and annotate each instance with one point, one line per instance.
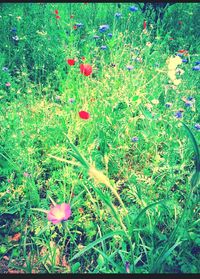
(58, 213)
(8, 84)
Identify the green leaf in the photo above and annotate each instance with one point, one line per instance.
(94, 243)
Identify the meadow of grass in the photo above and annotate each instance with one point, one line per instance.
(130, 172)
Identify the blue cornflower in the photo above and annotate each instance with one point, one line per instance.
(197, 62)
(188, 103)
(134, 139)
(184, 60)
(110, 35)
(133, 9)
(168, 105)
(178, 114)
(96, 37)
(196, 68)
(103, 47)
(5, 69)
(197, 127)
(14, 30)
(129, 67)
(190, 98)
(79, 24)
(103, 28)
(179, 54)
(118, 15)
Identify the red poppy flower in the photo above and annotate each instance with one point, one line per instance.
(71, 16)
(86, 69)
(57, 17)
(75, 27)
(84, 114)
(71, 62)
(182, 51)
(145, 25)
(82, 58)
(56, 12)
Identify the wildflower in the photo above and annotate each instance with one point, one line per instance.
(171, 39)
(197, 63)
(84, 114)
(15, 38)
(79, 24)
(96, 37)
(75, 27)
(179, 54)
(196, 68)
(14, 30)
(155, 101)
(109, 35)
(71, 16)
(178, 114)
(133, 9)
(144, 25)
(148, 44)
(103, 28)
(86, 69)
(118, 15)
(9, 180)
(81, 210)
(8, 84)
(58, 213)
(57, 17)
(182, 51)
(168, 105)
(197, 127)
(184, 60)
(71, 100)
(71, 62)
(18, 17)
(134, 139)
(83, 58)
(5, 69)
(127, 265)
(103, 47)
(57, 98)
(26, 174)
(56, 12)
(129, 67)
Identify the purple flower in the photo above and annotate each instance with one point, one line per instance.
(103, 47)
(103, 28)
(188, 103)
(129, 67)
(71, 100)
(110, 35)
(134, 139)
(133, 9)
(196, 68)
(58, 213)
(127, 265)
(197, 127)
(178, 114)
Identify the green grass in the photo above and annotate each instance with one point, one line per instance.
(135, 202)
